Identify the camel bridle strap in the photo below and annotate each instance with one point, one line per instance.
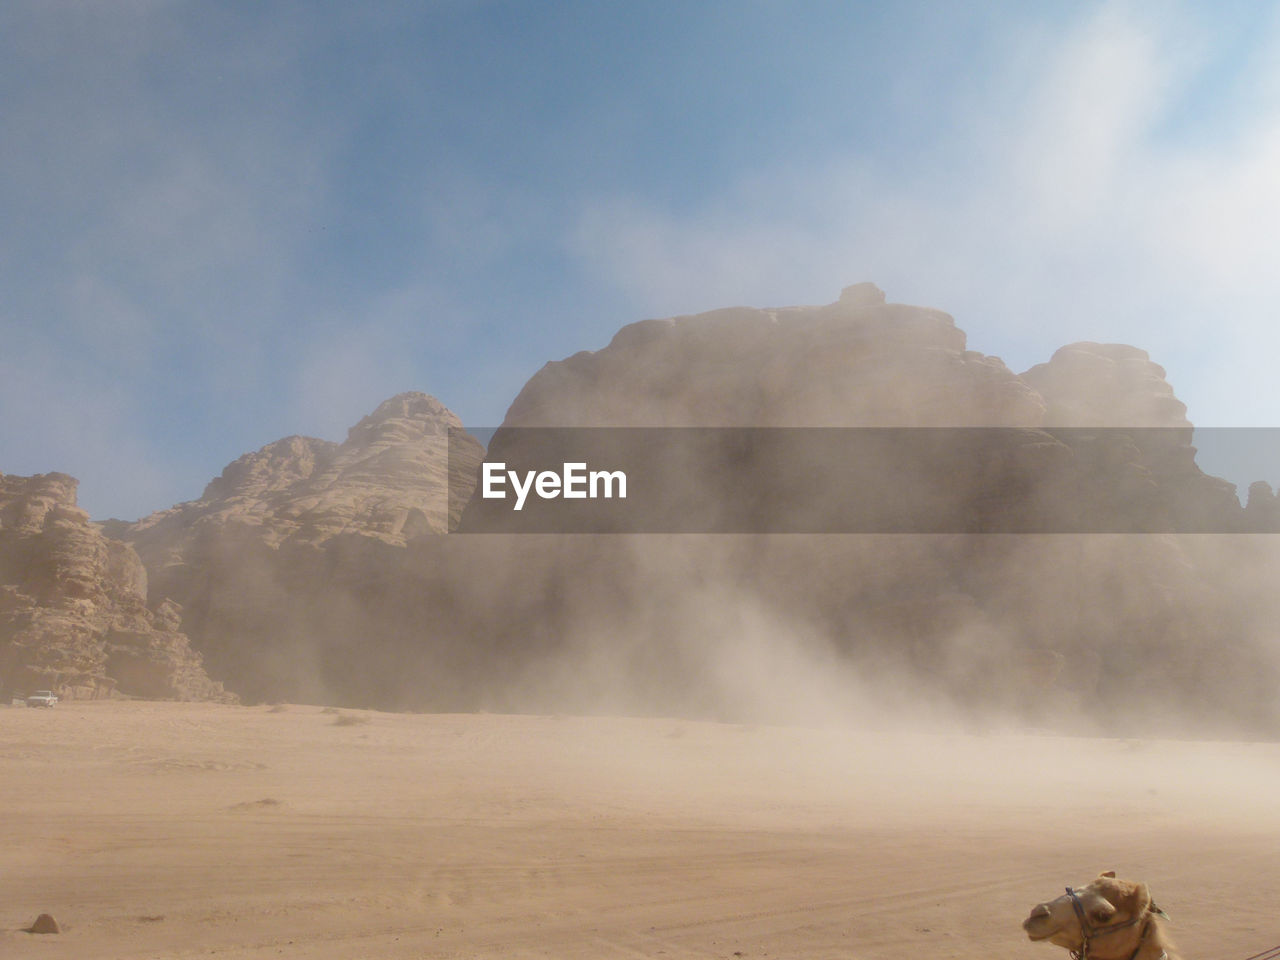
(1090, 932)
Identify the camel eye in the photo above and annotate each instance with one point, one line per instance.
(1102, 915)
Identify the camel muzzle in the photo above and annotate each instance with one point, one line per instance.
(1037, 925)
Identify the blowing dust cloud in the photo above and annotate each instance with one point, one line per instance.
(766, 617)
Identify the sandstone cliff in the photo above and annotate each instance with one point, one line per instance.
(1105, 385)
(388, 480)
(1115, 385)
(288, 569)
(73, 605)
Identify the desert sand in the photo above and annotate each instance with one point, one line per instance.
(163, 830)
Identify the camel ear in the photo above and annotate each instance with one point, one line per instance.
(1108, 873)
(1139, 899)
(1155, 908)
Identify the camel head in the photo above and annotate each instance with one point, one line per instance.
(1113, 914)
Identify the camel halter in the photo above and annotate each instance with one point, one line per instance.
(1089, 932)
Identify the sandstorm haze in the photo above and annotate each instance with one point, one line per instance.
(258, 262)
(1118, 588)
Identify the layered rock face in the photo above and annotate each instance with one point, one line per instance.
(388, 480)
(73, 605)
(1105, 385)
(282, 568)
(1115, 385)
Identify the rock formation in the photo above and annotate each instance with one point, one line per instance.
(863, 362)
(388, 480)
(1033, 625)
(286, 568)
(1118, 386)
(73, 605)
(1105, 385)
(1263, 508)
(857, 362)
(319, 571)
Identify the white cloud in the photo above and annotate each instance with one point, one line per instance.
(1080, 141)
(1070, 212)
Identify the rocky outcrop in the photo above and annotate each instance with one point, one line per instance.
(1106, 385)
(283, 570)
(73, 605)
(1118, 386)
(857, 362)
(1263, 508)
(388, 480)
(863, 362)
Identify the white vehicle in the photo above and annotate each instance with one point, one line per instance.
(42, 698)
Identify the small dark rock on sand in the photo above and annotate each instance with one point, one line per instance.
(44, 924)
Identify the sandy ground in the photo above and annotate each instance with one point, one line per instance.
(171, 830)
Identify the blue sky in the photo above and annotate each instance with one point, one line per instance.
(223, 223)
